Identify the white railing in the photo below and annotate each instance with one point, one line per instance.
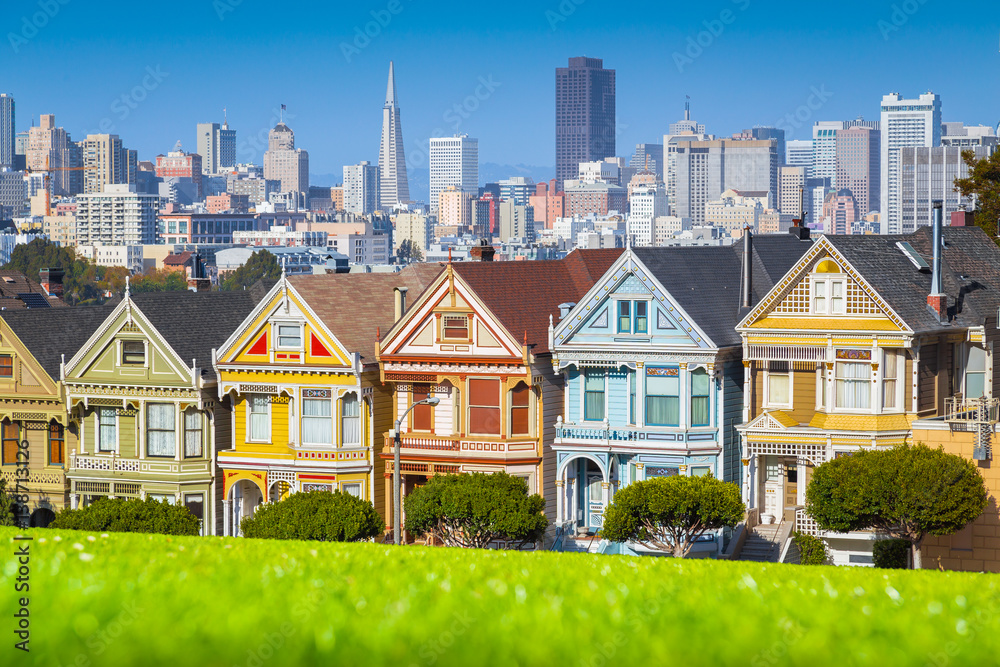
(103, 463)
(972, 410)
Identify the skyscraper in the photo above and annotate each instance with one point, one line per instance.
(50, 148)
(585, 115)
(285, 163)
(858, 153)
(7, 131)
(648, 157)
(680, 132)
(394, 188)
(764, 133)
(905, 124)
(800, 154)
(927, 174)
(454, 161)
(706, 169)
(361, 188)
(216, 146)
(106, 162)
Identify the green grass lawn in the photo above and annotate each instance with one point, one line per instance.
(117, 599)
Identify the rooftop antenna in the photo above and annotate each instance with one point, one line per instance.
(225, 118)
(687, 107)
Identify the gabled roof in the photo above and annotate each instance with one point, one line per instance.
(522, 295)
(970, 271)
(356, 307)
(19, 292)
(706, 280)
(50, 333)
(178, 259)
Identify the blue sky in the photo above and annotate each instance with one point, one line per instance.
(762, 63)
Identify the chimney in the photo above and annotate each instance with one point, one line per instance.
(963, 218)
(564, 309)
(199, 284)
(51, 281)
(937, 300)
(483, 252)
(400, 302)
(798, 228)
(746, 297)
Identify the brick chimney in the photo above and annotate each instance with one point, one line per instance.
(962, 218)
(483, 252)
(51, 281)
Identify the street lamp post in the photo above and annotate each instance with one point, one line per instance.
(396, 509)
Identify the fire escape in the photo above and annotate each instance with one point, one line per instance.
(974, 415)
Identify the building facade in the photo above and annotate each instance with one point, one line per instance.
(454, 163)
(394, 188)
(906, 123)
(116, 216)
(585, 115)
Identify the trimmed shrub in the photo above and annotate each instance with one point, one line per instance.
(121, 515)
(7, 517)
(891, 554)
(474, 509)
(315, 515)
(812, 548)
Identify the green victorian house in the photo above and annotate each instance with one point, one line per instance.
(142, 394)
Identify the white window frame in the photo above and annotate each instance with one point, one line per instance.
(900, 375)
(331, 419)
(966, 351)
(826, 301)
(854, 410)
(277, 335)
(340, 415)
(770, 404)
(114, 448)
(249, 420)
(345, 488)
(583, 396)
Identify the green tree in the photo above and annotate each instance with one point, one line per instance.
(262, 265)
(472, 510)
(159, 280)
(315, 515)
(905, 492)
(409, 252)
(7, 517)
(130, 515)
(81, 276)
(671, 513)
(983, 182)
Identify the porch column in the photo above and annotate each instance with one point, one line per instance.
(640, 393)
(606, 493)
(227, 508)
(573, 499)
(640, 472)
(560, 500)
(74, 501)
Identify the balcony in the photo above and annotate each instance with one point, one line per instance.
(486, 447)
(965, 414)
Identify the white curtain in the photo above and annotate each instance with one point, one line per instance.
(106, 437)
(258, 418)
(160, 440)
(317, 426)
(351, 420)
(192, 433)
(854, 387)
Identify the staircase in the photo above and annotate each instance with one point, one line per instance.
(762, 544)
(581, 544)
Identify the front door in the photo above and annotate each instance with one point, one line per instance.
(791, 495)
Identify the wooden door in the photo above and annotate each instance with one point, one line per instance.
(791, 495)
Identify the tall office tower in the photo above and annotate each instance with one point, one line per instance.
(394, 188)
(687, 126)
(453, 161)
(680, 132)
(858, 153)
(50, 148)
(216, 146)
(964, 136)
(105, 162)
(706, 169)
(646, 204)
(800, 154)
(792, 194)
(7, 131)
(517, 189)
(825, 149)
(285, 163)
(361, 188)
(762, 133)
(585, 115)
(928, 174)
(905, 124)
(648, 157)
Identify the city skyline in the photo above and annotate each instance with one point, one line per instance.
(152, 93)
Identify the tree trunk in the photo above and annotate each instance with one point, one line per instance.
(917, 561)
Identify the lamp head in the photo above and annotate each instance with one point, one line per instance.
(433, 400)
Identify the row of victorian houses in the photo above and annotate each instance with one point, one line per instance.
(753, 363)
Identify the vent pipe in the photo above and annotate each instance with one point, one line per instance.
(937, 301)
(747, 273)
(399, 302)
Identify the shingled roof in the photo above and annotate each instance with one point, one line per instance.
(14, 285)
(970, 272)
(50, 333)
(522, 295)
(706, 280)
(355, 307)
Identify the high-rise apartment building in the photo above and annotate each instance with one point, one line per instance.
(646, 204)
(455, 207)
(8, 130)
(116, 216)
(106, 162)
(285, 163)
(548, 204)
(858, 155)
(216, 146)
(585, 115)
(361, 188)
(394, 187)
(927, 174)
(706, 169)
(906, 123)
(682, 131)
(454, 161)
(824, 145)
(51, 148)
(517, 188)
(516, 222)
(416, 228)
(792, 195)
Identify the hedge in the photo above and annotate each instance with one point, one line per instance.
(130, 515)
(315, 515)
(813, 549)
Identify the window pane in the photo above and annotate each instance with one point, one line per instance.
(624, 317)
(593, 401)
(317, 427)
(6, 365)
(699, 411)
(853, 385)
(11, 438)
(662, 410)
(422, 415)
(975, 385)
(640, 317)
(259, 423)
(484, 421)
(977, 359)
(289, 335)
(778, 389)
(106, 430)
(484, 393)
(196, 503)
(350, 420)
(160, 416)
(160, 443)
(56, 444)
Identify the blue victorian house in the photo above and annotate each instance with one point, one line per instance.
(653, 371)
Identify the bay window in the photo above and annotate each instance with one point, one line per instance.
(192, 434)
(160, 430)
(663, 396)
(854, 385)
(484, 407)
(779, 384)
(593, 396)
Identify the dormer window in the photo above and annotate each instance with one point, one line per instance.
(290, 336)
(829, 289)
(633, 317)
(455, 327)
(133, 353)
(6, 366)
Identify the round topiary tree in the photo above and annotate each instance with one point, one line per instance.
(315, 515)
(907, 492)
(670, 513)
(130, 515)
(472, 510)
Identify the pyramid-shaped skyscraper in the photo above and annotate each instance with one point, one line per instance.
(393, 187)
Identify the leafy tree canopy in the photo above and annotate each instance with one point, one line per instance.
(262, 265)
(670, 513)
(409, 252)
(983, 182)
(159, 280)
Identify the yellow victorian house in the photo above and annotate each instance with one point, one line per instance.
(304, 382)
(863, 336)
